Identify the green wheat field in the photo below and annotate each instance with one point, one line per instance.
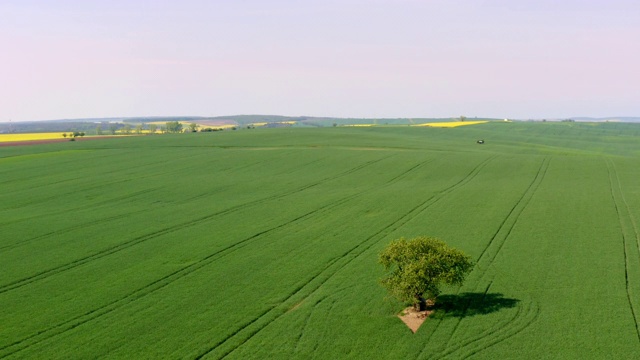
(263, 243)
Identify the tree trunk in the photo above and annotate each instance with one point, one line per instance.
(420, 303)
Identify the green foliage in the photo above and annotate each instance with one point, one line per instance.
(173, 126)
(418, 267)
(152, 128)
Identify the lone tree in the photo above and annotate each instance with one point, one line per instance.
(418, 267)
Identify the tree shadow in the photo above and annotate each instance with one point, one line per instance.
(470, 304)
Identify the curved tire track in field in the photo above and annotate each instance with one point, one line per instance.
(506, 227)
(123, 179)
(526, 315)
(247, 331)
(306, 322)
(313, 309)
(164, 281)
(94, 206)
(160, 168)
(499, 238)
(171, 229)
(69, 176)
(75, 227)
(68, 229)
(410, 170)
(73, 176)
(62, 163)
(625, 218)
(70, 324)
(158, 284)
(111, 200)
(82, 207)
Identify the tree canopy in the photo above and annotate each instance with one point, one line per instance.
(419, 266)
(174, 126)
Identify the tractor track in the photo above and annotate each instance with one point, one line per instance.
(153, 286)
(94, 222)
(124, 175)
(305, 290)
(526, 315)
(171, 229)
(512, 217)
(498, 241)
(411, 169)
(165, 280)
(95, 204)
(111, 200)
(121, 180)
(74, 175)
(168, 279)
(625, 217)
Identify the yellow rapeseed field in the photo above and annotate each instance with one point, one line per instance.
(451, 124)
(30, 136)
(228, 126)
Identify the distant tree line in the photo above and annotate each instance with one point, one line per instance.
(174, 127)
(72, 136)
(46, 126)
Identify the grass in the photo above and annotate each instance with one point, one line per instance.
(263, 243)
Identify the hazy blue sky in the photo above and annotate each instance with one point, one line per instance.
(347, 58)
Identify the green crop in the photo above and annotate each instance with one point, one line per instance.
(264, 243)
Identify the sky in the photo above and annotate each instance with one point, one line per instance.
(341, 58)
